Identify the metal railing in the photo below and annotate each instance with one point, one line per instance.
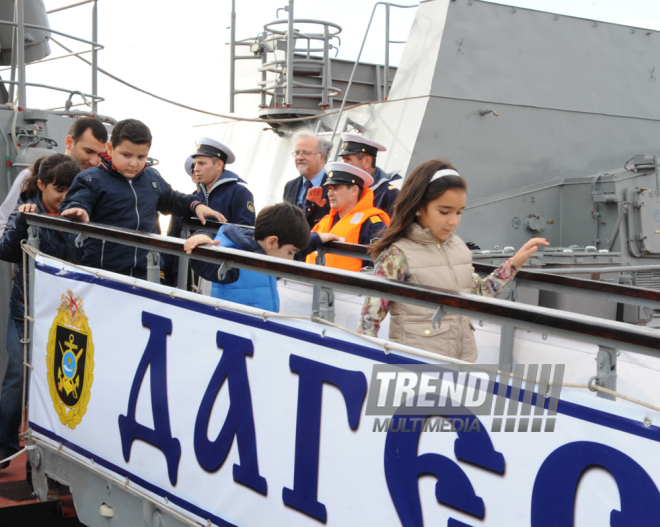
(357, 60)
(604, 333)
(18, 55)
(323, 297)
(543, 279)
(282, 87)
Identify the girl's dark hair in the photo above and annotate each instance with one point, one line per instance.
(57, 169)
(417, 192)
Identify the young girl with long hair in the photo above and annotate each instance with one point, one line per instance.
(420, 247)
(43, 191)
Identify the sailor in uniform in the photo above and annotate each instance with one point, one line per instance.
(361, 152)
(221, 189)
(353, 217)
(169, 264)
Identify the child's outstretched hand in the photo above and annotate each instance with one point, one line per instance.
(315, 195)
(27, 207)
(76, 214)
(198, 239)
(526, 251)
(201, 211)
(328, 237)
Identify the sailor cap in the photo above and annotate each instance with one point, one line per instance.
(211, 148)
(356, 144)
(345, 174)
(189, 165)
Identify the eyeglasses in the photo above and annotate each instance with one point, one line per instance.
(304, 153)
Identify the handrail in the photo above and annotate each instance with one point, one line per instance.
(49, 30)
(535, 279)
(18, 53)
(70, 6)
(569, 325)
(51, 58)
(357, 60)
(55, 88)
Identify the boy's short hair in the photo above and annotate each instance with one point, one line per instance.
(80, 126)
(131, 130)
(285, 221)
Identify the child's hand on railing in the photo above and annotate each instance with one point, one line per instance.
(328, 237)
(76, 214)
(27, 207)
(196, 240)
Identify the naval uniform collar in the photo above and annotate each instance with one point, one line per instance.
(226, 177)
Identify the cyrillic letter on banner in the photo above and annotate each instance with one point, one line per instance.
(240, 418)
(155, 355)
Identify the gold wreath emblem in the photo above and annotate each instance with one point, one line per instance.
(70, 361)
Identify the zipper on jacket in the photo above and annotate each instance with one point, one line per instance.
(137, 213)
(102, 252)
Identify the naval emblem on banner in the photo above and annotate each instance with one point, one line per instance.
(70, 361)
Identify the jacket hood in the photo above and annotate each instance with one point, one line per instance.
(243, 238)
(424, 236)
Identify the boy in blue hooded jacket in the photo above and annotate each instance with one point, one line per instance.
(280, 230)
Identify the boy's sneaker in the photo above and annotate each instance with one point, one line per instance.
(4, 465)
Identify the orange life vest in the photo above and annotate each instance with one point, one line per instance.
(348, 228)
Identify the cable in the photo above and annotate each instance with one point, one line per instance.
(231, 117)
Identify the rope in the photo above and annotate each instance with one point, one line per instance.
(386, 345)
(24, 449)
(224, 116)
(26, 342)
(625, 397)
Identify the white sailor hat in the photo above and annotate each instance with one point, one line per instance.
(189, 165)
(356, 144)
(345, 174)
(211, 148)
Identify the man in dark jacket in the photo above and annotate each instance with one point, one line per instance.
(311, 155)
(221, 189)
(123, 192)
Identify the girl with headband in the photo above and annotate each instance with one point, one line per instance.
(420, 247)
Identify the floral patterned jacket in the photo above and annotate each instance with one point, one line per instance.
(392, 263)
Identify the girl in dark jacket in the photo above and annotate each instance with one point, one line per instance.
(43, 192)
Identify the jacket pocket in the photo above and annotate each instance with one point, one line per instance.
(424, 328)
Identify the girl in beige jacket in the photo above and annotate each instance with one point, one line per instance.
(420, 247)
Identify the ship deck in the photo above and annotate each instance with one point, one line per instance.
(19, 507)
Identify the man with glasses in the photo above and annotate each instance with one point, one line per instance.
(307, 191)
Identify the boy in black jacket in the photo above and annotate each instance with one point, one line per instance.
(122, 191)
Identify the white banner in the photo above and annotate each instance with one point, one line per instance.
(227, 417)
